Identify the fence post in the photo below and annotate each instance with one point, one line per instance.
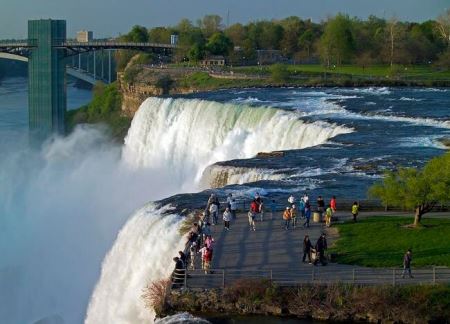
(312, 274)
(434, 275)
(185, 278)
(271, 276)
(354, 275)
(223, 278)
(393, 277)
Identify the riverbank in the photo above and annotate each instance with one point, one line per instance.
(378, 304)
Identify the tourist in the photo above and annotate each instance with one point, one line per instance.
(192, 254)
(355, 210)
(206, 230)
(291, 200)
(183, 258)
(209, 241)
(229, 199)
(227, 218)
(320, 206)
(233, 208)
(287, 218)
(293, 212)
(333, 204)
(178, 274)
(254, 207)
(251, 220)
(302, 208)
(328, 215)
(321, 246)
(305, 197)
(261, 210)
(307, 214)
(213, 210)
(208, 260)
(206, 254)
(407, 258)
(306, 249)
(273, 208)
(202, 252)
(257, 196)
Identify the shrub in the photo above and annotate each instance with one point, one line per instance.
(279, 73)
(155, 295)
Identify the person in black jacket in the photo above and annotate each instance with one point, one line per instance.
(321, 246)
(307, 249)
(178, 273)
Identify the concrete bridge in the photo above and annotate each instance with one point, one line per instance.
(46, 50)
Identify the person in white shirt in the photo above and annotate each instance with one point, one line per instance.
(227, 218)
(213, 210)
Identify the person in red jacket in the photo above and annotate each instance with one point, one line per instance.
(333, 204)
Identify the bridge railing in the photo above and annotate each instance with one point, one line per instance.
(31, 42)
(222, 278)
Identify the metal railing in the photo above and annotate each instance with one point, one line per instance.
(342, 205)
(222, 278)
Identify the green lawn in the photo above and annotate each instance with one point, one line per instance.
(421, 72)
(382, 241)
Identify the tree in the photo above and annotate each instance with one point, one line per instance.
(196, 53)
(443, 26)
(210, 24)
(337, 41)
(219, 44)
(237, 33)
(306, 41)
(138, 34)
(160, 35)
(165, 83)
(417, 189)
(391, 28)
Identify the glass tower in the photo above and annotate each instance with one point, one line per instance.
(46, 78)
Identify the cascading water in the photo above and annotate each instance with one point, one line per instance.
(188, 135)
(183, 136)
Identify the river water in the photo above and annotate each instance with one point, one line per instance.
(79, 236)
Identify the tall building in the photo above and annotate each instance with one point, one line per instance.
(46, 78)
(84, 36)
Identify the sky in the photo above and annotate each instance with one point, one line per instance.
(113, 17)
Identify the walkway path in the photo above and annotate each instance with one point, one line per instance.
(273, 252)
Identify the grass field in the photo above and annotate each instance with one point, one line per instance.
(382, 241)
(420, 72)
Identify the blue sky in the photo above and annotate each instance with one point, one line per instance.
(112, 17)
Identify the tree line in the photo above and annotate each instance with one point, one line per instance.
(338, 40)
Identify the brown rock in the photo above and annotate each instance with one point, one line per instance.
(270, 154)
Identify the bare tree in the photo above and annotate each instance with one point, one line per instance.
(443, 26)
(392, 30)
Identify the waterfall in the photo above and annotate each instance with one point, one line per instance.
(188, 135)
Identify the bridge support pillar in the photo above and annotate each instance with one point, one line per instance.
(109, 66)
(47, 79)
(95, 66)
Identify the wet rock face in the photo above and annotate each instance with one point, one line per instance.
(445, 141)
(270, 154)
(218, 175)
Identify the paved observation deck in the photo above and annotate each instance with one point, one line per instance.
(273, 253)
